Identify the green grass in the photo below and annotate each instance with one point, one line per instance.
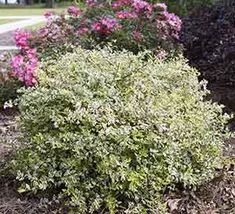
(27, 11)
(5, 21)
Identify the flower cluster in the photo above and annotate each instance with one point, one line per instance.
(133, 24)
(91, 3)
(138, 36)
(169, 24)
(53, 37)
(105, 25)
(141, 6)
(24, 63)
(119, 3)
(22, 39)
(49, 14)
(175, 24)
(83, 30)
(125, 14)
(74, 11)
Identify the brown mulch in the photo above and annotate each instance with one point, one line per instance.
(11, 202)
(215, 197)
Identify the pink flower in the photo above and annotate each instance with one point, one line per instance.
(110, 23)
(161, 54)
(17, 64)
(48, 14)
(82, 30)
(29, 76)
(119, 3)
(24, 66)
(94, 3)
(116, 5)
(106, 25)
(96, 26)
(22, 38)
(43, 31)
(17, 61)
(91, 3)
(138, 36)
(174, 21)
(140, 5)
(74, 11)
(125, 14)
(169, 25)
(31, 53)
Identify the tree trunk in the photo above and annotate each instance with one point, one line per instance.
(6, 1)
(29, 2)
(50, 3)
(230, 2)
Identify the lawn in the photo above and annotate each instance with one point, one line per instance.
(5, 21)
(26, 11)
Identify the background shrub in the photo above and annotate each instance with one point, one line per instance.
(129, 24)
(184, 7)
(208, 37)
(112, 131)
(181, 7)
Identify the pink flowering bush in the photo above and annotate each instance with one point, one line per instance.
(55, 37)
(25, 62)
(36, 46)
(135, 25)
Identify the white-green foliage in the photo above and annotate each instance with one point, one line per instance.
(113, 130)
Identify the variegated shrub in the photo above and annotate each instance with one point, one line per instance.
(112, 130)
